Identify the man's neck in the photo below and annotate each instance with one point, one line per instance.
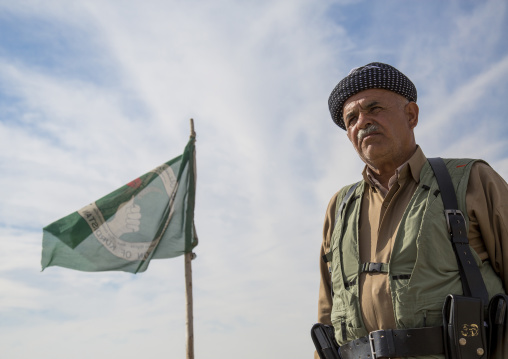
(384, 188)
(387, 169)
(384, 177)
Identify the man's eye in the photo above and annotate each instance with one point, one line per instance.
(351, 121)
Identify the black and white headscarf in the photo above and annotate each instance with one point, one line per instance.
(375, 75)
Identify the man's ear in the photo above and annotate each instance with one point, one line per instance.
(412, 111)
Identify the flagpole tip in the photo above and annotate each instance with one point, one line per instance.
(193, 133)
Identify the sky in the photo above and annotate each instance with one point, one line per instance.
(95, 93)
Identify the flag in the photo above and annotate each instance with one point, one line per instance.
(150, 217)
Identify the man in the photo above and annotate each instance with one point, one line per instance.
(388, 262)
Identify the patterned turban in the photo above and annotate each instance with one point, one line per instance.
(375, 75)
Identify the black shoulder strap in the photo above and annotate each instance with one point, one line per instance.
(328, 256)
(344, 201)
(472, 281)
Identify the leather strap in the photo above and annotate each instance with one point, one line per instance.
(344, 201)
(472, 281)
(395, 343)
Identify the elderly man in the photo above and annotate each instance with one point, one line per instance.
(387, 263)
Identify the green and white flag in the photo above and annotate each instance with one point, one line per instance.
(150, 217)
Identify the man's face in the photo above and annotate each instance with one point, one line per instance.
(380, 126)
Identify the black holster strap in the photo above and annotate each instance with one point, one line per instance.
(395, 343)
(472, 280)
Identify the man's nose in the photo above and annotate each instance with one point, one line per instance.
(364, 120)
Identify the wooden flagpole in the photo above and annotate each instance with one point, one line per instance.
(189, 323)
(188, 298)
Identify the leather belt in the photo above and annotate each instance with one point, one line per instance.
(393, 343)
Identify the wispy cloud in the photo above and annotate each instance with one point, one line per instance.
(96, 93)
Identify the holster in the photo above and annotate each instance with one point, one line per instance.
(323, 337)
(464, 331)
(497, 318)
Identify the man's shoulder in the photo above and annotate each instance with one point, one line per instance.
(349, 187)
(341, 194)
(487, 175)
(476, 172)
(461, 164)
(346, 191)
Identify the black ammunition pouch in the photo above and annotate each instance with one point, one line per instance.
(468, 335)
(323, 337)
(464, 328)
(497, 317)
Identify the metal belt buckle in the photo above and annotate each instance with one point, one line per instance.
(449, 212)
(372, 348)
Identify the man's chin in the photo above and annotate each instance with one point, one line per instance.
(372, 148)
(371, 154)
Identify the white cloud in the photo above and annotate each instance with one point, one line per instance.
(255, 76)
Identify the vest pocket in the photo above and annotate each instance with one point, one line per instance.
(345, 331)
(340, 327)
(400, 283)
(346, 315)
(432, 318)
(419, 312)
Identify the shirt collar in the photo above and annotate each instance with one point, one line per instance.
(414, 168)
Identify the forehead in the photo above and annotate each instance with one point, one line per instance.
(371, 95)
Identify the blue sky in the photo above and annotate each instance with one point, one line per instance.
(94, 94)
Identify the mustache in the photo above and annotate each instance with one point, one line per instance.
(367, 131)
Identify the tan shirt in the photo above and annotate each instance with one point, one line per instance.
(380, 216)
